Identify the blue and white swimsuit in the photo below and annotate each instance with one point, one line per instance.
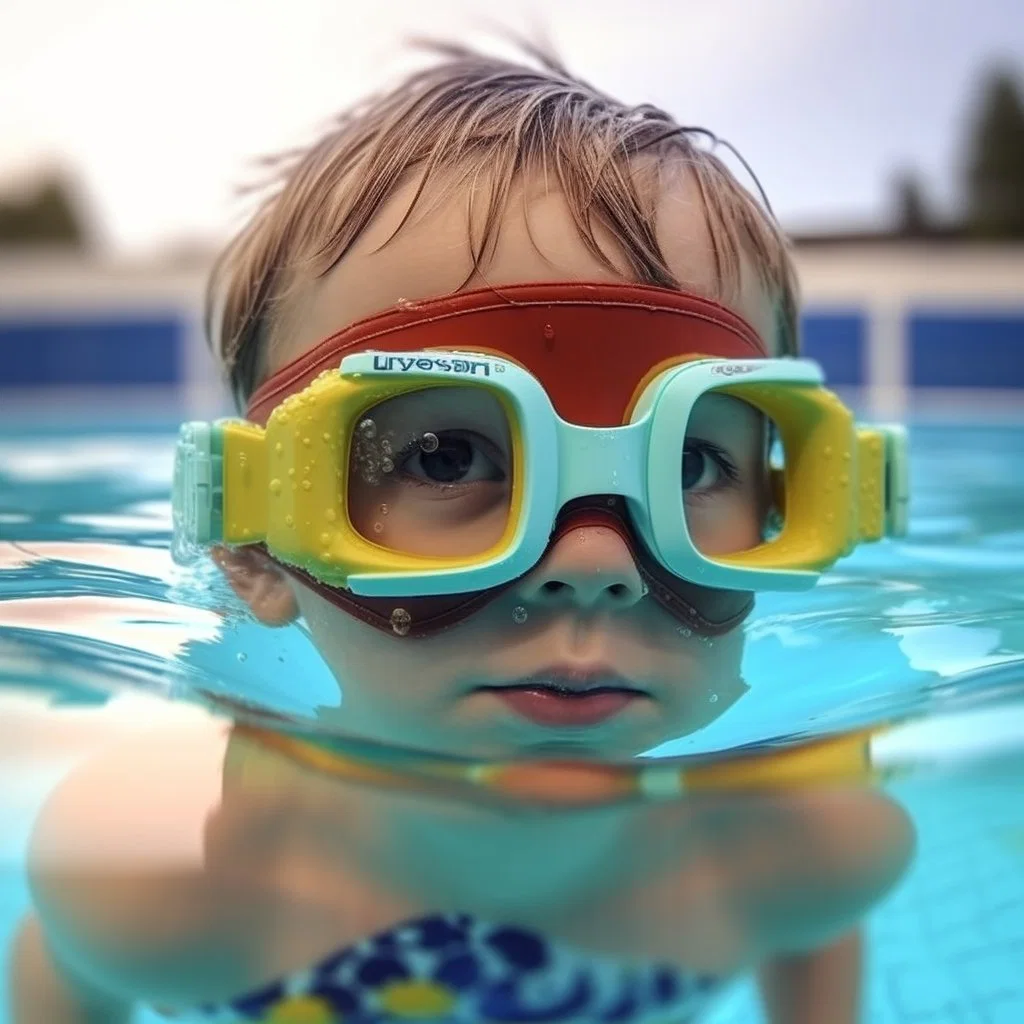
(453, 969)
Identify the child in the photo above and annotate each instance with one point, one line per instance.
(568, 252)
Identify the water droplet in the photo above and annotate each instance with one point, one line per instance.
(685, 631)
(289, 520)
(275, 486)
(385, 447)
(306, 485)
(611, 503)
(291, 471)
(326, 436)
(378, 527)
(241, 656)
(386, 465)
(827, 451)
(403, 303)
(367, 428)
(384, 510)
(330, 515)
(401, 620)
(279, 448)
(325, 539)
(306, 441)
(713, 699)
(549, 332)
(519, 614)
(429, 442)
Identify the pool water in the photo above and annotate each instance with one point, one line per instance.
(931, 628)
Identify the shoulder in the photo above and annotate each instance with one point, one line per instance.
(116, 862)
(824, 859)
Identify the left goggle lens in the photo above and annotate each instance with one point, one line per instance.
(430, 472)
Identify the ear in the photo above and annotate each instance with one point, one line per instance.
(259, 582)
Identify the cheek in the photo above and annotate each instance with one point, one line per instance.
(371, 666)
(726, 525)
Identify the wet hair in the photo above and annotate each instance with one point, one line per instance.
(469, 117)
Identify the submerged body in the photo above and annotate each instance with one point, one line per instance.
(224, 869)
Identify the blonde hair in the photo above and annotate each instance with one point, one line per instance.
(472, 113)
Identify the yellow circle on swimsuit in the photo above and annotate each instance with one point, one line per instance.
(416, 999)
(302, 1010)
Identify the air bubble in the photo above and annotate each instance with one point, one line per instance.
(519, 615)
(289, 520)
(291, 471)
(713, 699)
(330, 515)
(685, 631)
(306, 485)
(549, 332)
(306, 441)
(378, 527)
(275, 486)
(386, 465)
(384, 510)
(429, 442)
(368, 429)
(242, 656)
(401, 620)
(385, 447)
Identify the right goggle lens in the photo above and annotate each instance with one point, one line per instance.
(430, 472)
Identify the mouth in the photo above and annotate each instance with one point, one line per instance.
(567, 698)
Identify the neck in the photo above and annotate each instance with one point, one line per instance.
(470, 841)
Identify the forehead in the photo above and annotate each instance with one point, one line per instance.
(430, 253)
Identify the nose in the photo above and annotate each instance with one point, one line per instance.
(588, 567)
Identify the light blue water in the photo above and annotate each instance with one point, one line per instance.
(90, 605)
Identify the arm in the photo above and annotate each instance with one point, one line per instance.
(822, 986)
(44, 992)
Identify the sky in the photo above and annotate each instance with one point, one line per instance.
(159, 107)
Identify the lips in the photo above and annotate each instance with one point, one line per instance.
(567, 699)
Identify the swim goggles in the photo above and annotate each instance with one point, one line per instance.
(416, 464)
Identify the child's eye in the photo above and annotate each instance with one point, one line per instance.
(450, 458)
(704, 466)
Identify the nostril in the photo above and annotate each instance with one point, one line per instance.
(554, 587)
(618, 590)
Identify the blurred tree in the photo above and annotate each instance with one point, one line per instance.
(995, 164)
(913, 219)
(49, 216)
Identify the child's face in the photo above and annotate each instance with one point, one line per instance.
(583, 611)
